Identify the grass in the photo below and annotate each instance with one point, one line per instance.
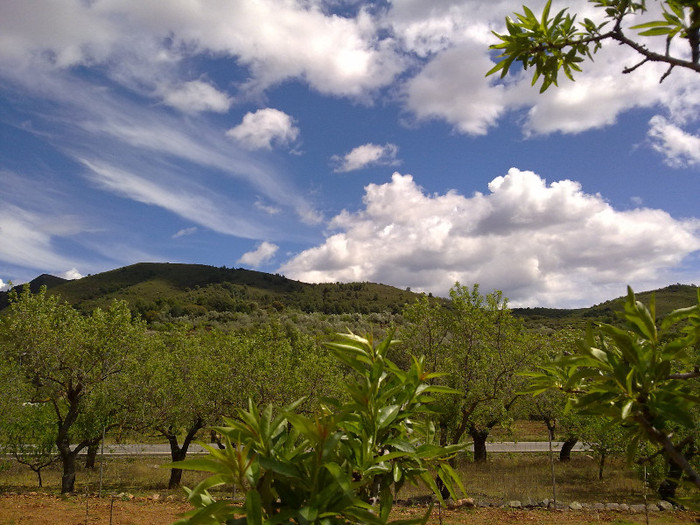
(504, 477)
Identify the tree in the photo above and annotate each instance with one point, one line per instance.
(644, 378)
(71, 363)
(173, 389)
(481, 346)
(552, 44)
(331, 467)
(29, 435)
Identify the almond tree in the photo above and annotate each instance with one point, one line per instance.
(550, 44)
(476, 341)
(71, 363)
(643, 377)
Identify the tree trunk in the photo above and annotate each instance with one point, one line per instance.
(601, 464)
(179, 453)
(38, 475)
(68, 476)
(479, 437)
(667, 488)
(566, 448)
(91, 455)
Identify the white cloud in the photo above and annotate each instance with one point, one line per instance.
(27, 238)
(72, 274)
(261, 129)
(143, 43)
(262, 254)
(270, 210)
(452, 37)
(197, 96)
(184, 232)
(4, 286)
(679, 148)
(366, 155)
(540, 243)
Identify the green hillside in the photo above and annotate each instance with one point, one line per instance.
(167, 291)
(178, 290)
(667, 299)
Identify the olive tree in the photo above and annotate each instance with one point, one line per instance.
(550, 44)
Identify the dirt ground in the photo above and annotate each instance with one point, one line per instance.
(43, 509)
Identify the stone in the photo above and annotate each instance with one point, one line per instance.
(624, 507)
(598, 506)
(665, 505)
(515, 504)
(575, 505)
(637, 508)
(612, 506)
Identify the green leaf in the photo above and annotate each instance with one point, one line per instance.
(253, 508)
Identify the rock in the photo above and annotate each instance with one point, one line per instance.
(544, 503)
(155, 497)
(637, 508)
(598, 506)
(612, 506)
(575, 505)
(515, 504)
(665, 505)
(624, 507)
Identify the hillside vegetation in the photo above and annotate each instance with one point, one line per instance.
(165, 291)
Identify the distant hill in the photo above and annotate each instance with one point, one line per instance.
(667, 299)
(177, 290)
(166, 291)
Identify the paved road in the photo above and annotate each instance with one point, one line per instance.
(164, 450)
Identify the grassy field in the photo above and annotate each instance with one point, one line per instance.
(504, 477)
(135, 493)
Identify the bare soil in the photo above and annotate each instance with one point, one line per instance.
(44, 509)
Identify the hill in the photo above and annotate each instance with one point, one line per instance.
(165, 291)
(175, 290)
(667, 299)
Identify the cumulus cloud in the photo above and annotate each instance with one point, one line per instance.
(261, 129)
(679, 148)
(197, 96)
(366, 155)
(452, 39)
(540, 243)
(262, 254)
(72, 274)
(4, 286)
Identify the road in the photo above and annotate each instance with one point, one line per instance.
(164, 449)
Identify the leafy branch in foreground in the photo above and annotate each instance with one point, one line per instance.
(550, 44)
(342, 466)
(644, 378)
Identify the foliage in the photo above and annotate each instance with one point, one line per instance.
(71, 363)
(477, 341)
(331, 467)
(29, 435)
(163, 292)
(642, 377)
(550, 44)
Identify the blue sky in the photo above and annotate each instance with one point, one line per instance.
(338, 140)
